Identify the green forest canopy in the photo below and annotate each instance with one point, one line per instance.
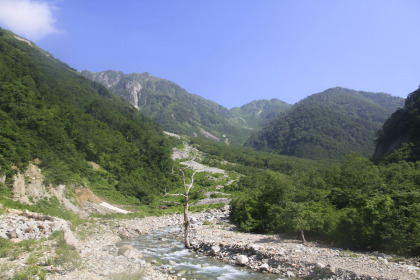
(50, 112)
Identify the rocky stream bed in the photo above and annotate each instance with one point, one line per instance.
(106, 250)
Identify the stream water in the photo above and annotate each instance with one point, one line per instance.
(166, 248)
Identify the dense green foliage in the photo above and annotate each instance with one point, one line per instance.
(329, 125)
(246, 160)
(256, 114)
(50, 112)
(399, 138)
(175, 109)
(357, 205)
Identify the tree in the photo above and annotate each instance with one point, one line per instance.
(186, 203)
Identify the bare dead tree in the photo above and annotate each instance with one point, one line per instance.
(186, 196)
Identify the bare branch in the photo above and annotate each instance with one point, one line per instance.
(192, 182)
(174, 194)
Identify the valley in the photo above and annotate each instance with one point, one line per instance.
(324, 188)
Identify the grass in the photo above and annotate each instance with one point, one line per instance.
(350, 254)
(30, 272)
(66, 256)
(207, 223)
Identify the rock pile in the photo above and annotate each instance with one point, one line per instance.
(22, 225)
(289, 258)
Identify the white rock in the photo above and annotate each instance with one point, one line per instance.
(290, 274)
(69, 238)
(319, 266)
(264, 267)
(215, 249)
(242, 259)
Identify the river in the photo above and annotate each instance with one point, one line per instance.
(165, 249)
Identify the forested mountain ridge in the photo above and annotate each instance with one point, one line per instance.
(256, 114)
(49, 112)
(329, 124)
(173, 107)
(399, 138)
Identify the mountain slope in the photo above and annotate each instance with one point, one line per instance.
(330, 125)
(51, 113)
(172, 106)
(400, 134)
(256, 114)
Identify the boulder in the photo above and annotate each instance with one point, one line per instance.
(290, 274)
(123, 234)
(319, 267)
(69, 238)
(242, 259)
(123, 250)
(264, 267)
(11, 234)
(215, 249)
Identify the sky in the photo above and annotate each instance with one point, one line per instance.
(233, 51)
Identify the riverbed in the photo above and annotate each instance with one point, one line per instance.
(165, 249)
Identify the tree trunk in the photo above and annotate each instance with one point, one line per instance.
(302, 235)
(186, 225)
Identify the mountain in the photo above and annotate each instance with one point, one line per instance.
(328, 125)
(173, 107)
(52, 115)
(399, 138)
(256, 114)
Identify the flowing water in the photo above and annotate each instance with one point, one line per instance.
(166, 248)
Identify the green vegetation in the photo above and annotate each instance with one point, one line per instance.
(66, 256)
(357, 205)
(327, 125)
(175, 109)
(82, 134)
(256, 114)
(399, 138)
(52, 113)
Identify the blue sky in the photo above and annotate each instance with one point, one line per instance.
(234, 51)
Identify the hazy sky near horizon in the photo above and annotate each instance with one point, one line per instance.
(234, 51)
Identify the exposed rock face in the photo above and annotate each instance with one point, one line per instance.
(134, 88)
(171, 106)
(209, 135)
(107, 78)
(29, 186)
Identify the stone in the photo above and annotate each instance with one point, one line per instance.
(319, 267)
(242, 259)
(69, 238)
(264, 267)
(124, 249)
(290, 274)
(215, 249)
(123, 234)
(281, 252)
(385, 261)
(11, 234)
(331, 269)
(172, 263)
(132, 254)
